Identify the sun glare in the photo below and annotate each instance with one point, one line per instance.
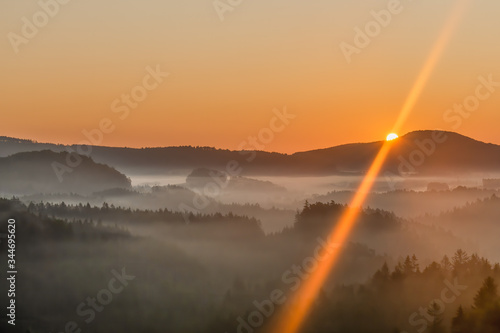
(392, 136)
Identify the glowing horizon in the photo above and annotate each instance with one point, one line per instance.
(392, 136)
(227, 77)
(294, 316)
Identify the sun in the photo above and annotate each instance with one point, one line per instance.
(392, 136)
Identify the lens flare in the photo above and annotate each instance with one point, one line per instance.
(292, 317)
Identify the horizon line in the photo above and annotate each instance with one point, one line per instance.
(3, 137)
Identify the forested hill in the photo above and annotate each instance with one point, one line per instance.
(420, 152)
(50, 172)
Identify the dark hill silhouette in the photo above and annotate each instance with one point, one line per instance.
(416, 153)
(32, 172)
(457, 154)
(202, 177)
(40, 227)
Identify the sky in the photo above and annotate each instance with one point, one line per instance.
(233, 65)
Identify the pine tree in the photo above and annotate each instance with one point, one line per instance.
(487, 295)
(398, 272)
(381, 277)
(436, 313)
(416, 266)
(408, 266)
(460, 260)
(446, 263)
(458, 323)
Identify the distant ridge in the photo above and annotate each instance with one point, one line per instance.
(415, 153)
(9, 139)
(33, 172)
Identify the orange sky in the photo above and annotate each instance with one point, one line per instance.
(226, 77)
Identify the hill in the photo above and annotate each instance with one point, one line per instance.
(420, 152)
(33, 172)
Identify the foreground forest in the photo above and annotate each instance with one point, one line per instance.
(212, 272)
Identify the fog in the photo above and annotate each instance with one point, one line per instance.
(200, 261)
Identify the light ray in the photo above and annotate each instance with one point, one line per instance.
(293, 316)
(430, 64)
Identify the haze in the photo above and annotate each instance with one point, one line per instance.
(232, 73)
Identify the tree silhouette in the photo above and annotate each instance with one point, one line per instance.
(460, 260)
(436, 313)
(487, 295)
(458, 323)
(446, 263)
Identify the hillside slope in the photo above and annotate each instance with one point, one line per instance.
(33, 172)
(420, 152)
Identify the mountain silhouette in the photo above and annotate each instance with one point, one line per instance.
(419, 153)
(33, 172)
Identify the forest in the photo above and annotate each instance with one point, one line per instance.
(213, 273)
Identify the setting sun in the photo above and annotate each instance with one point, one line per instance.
(392, 136)
(128, 157)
